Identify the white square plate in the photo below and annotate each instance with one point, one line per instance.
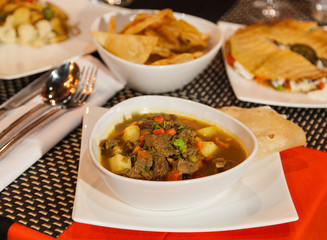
(250, 91)
(260, 198)
(19, 61)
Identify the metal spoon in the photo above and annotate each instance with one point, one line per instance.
(61, 84)
(57, 90)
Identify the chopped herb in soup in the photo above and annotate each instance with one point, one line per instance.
(169, 147)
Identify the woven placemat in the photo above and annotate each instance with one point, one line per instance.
(42, 197)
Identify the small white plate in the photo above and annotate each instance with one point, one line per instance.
(261, 198)
(19, 61)
(250, 91)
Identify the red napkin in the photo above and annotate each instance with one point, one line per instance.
(306, 174)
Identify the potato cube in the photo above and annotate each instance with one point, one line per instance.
(35, 16)
(21, 15)
(118, 163)
(208, 131)
(57, 26)
(209, 148)
(131, 133)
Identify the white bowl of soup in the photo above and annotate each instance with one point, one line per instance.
(166, 153)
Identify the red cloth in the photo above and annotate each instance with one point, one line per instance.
(306, 174)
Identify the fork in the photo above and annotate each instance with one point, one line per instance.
(83, 91)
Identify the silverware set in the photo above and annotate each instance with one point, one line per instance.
(24, 95)
(75, 91)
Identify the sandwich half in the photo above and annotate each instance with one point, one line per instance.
(288, 55)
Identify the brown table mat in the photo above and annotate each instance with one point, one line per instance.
(42, 197)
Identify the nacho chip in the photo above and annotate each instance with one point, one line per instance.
(141, 25)
(198, 54)
(166, 40)
(133, 48)
(188, 35)
(139, 17)
(166, 34)
(112, 25)
(100, 36)
(177, 58)
(163, 41)
(161, 51)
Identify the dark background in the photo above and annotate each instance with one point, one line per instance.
(209, 9)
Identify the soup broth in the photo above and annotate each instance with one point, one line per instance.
(167, 147)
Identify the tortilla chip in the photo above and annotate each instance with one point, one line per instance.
(140, 26)
(139, 17)
(177, 58)
(160, 51)
(189, 36)
(112, 25)
(273, 131)
(163, 31)
(164, 39)
(198, 54)
(100, 36)
(133, 48)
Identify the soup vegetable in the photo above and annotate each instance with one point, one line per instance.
(167, 147)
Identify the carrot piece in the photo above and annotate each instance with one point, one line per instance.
(158, 131)
(260, 78)
(171, 131)
(159, 119)
(141, 154)
(199, 144)
(209, 158)
(174, 176)
(321, 85)
(230, 60)
(136, 149)
(141, 138)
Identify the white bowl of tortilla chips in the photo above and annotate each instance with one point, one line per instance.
(155, 51)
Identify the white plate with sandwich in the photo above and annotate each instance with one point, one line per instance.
(250, 90)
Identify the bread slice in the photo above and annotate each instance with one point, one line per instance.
(288, 65)
(316, 39)
(273, 131)
(251, 51)
(287, 31)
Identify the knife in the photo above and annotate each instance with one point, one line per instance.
(24, 95)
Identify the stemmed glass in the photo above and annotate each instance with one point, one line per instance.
(121, 3)
(266, 10)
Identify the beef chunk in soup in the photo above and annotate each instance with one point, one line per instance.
(148, 166)
(185, 166)
(161, 167)
(187, 135)
(128, 147)
(160, 145)
(146, 123)
(144, 164)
